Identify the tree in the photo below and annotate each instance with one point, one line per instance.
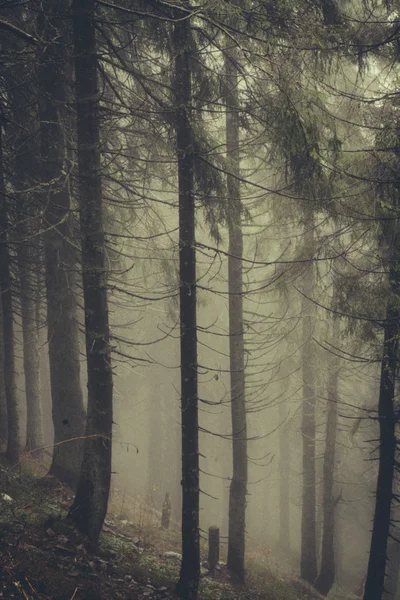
(308, 560)
(238, 486)
(89, 508)
(6, 291)
(60, 255)
(326, 576)
(374, 586)
(24, 173)
(188, 583)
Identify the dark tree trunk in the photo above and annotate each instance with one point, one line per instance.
(284, 476)
(188, 583)
(374, 585)
(393, 567)
(90, 505)
(327, 572)
(238, 487)
(68, 411)
(13, 437)
(3, 399)
(308, 559)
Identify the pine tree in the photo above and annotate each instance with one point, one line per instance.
(89, 508)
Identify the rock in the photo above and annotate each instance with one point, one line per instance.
(128, 578)
(172, 555)
(62, 539)
(6, 498)
(204, 571)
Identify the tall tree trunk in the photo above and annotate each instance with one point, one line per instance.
(188, 583)
(156, 445)
(238, 487)
(327, 572)
(90, 505)
(284, 475)
(28, 282)
(68, 411)
(308, 559)
(13, 437)
(374, 585)
(24, 177)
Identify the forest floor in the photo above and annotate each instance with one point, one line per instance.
(42, 557)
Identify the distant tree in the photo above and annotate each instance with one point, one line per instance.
(24, 175)
(6, 291)
(308, 560)
(326, 576)
(238, 486)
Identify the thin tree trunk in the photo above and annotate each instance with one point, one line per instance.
(188, 583)
(238, 487)
(13, 437)
(68, 411)
(284, 476)
(308, 559)
(90, 505)
(327, 572)
(374, 585)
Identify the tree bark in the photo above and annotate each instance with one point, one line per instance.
(308, 559)
(90, 505)
(393, 568)
(13, 437)
(374, 585)
(327, 572)
(188, 583)
(238, 486)
(67, 401)
(3, 399)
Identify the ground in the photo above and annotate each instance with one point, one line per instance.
(43, 558)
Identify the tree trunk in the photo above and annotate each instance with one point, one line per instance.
(3, 399)
(68, 411)
(393, 568)
(13, 437)
(374, 585)
(284, 476)
(31, 356)
(156, 445)
(308, 559)
(238, 487)
(90, 505)
(188, 583)
(326, 575)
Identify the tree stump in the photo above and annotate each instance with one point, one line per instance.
(213, 548)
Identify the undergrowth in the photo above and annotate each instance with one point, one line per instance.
(42, 557)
